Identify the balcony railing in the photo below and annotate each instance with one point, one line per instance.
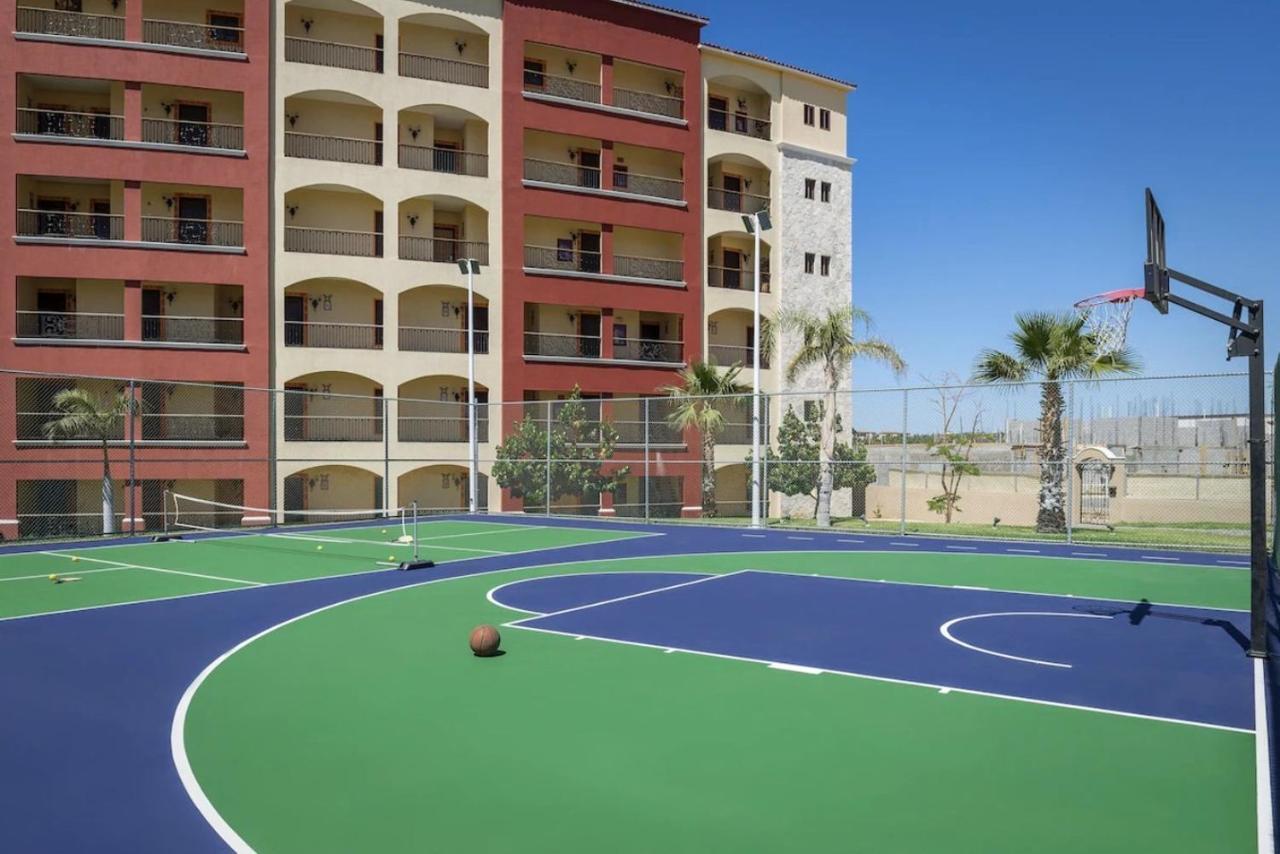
(67, 123)
(736, 433)
(632, 433)
(736, 279)
(648, 185)
(333, 336)
(442, 249)
(83, 326)
(333, 54)
(341, 149)
(736, 201)
(564, 174)
(444, 70)
(196, 232)
(551, 258)
(333, 428)
(194, 134)
(191, 427)
(733, 354)
(444, 160)
(428, 339)
(561, 87)
(739, 123)
(648, 350)
(432, 428)
(562, 346)
(648, 102)
(219, 37)
(663, 269)
(53, 22)
(180, 329)
(330, 241)
(70, 225)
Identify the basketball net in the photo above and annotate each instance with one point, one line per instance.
(1106, 316)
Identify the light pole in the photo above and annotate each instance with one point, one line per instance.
(470, 267)
(755, 224)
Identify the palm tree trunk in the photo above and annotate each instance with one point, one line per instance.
(1051, 518)
(708, 474)
(108, 494)
(826, 453)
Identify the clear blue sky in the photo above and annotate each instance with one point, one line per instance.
(1003, 148)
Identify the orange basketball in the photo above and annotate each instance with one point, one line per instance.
(485, 640)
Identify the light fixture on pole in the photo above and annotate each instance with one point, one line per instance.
(470, 267)
(755, 224)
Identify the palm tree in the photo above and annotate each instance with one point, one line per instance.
(86, 415)
(702, 391)
(831, 341)
(1051, 347)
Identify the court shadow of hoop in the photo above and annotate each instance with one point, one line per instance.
(1142, 611)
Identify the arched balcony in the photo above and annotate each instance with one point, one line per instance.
(445, 49)
(731, 338)
(332, 406)
(334, 33)
(738, 184)
(444, 139)
(740, 106)
(331, 487)
(730, 264)
(333, 313)
(334, 126)
(443, 229)
(433, 319)
(333, 219)
(435, 409)
(441, 489)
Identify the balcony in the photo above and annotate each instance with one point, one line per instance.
(339, 149)
(333, 220)
(441, 229)
(567, 333)
(725, 355)
(179, 329)
(435, 339)
(730, 266)
(648, 89)
(333, 54)
(447, 160)
(566, 88)
(433, 319)
(736, 201)
(184, 314)
(444, 49)
(193, 134)
(551, 260)
(69, 124)
(435, 409)
(333, 406)
(49, 225)
(731, 338)
(444, 70)
(191, 231)
(742, 124)
(562, 161)
(221, 34)
(334, 336)
(333, 126)
(736, 278)
(442, 249)
(443, 139)
(332, 241)
(69, 25)
(70, 326)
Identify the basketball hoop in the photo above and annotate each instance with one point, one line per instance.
(1107, 316)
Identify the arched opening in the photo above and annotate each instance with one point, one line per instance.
(309, 492)
(335, 126)
(738, 105)
(435, 409)
(441, 489)
(738, 184)
(332, 406)
(730, 264)
(333, 313)
(445, 139)
(444, 48)
(433, 319)
(333, 219)
(443, 229)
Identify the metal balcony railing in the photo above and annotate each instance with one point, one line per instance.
(83, 326)
(561, 346)
(444, 70)
(180, 329)
(648, 102)
(442, 249)
(663, 269)
(330, 241)
(194, 134)
(70, 225)
(736, 279)
(333, 428)
(734, 354)
(736, 433)
(648, 185)
(196, 232)
(561, 87)
(551, 258)
(736, 201)
(220, 37)
(443, 160)
(333, 54)
(431, 428)
(564, 174)
(333, 336)
(192, 427)
(648, 350)
(341, 149)
(428, 339)
(739, 123)
(632, 433)
(52, 22)
(68, 123)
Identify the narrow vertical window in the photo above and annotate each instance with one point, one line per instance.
(808, 187)
(808, 262)
(808, 114)
(826, 192)
(824, 120)
(826, 265)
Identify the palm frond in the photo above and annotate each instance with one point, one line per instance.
(995, 366)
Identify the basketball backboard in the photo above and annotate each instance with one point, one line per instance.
(1155, 271)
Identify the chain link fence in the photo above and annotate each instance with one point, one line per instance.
(1158, 461)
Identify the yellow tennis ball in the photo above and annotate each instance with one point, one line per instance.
(384, 530)
(53, 578)
(391, 557)
(75, 559)
(319, 548)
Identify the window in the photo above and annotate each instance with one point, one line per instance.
(808, 114)
(224, 27)
(826, 265)
(534, 69)
(808, 262)
(824, 120)
(826, 192)
(808, 187)
(620, 177)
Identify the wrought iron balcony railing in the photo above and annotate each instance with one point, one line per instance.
(72, 326)
(442, 249)
(443, 160)
(332, 241)
(444, 70)
(428, 339)
(569, 88)
(736, 201)
(736, 279)
(333, 54)
(55, 22)
(180, 329)
(739, 123)
(196, 232)
(194, 134)
(648, 102)
(221, 37)
(340, 149)
(333, 336)
(70, 225)
(46, 122)
(733, 354)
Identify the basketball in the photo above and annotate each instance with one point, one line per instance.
(485, 641)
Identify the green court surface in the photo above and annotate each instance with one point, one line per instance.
(112, 575)
(369, 727)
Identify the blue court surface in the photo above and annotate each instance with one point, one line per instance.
(1173, 663)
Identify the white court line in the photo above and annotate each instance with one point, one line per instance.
(1089, 554)
(796, 668)
(895, 681)
(799, 538)
(506, 529)
(78, 572)
(634, 595)
(1025, 551)
(945, 631)
(310, 538)
(963, 548)
(120, 565)
(912, 545)
(850, 541)
(493, 590)
(969, 587)
(461, 549)
(1262, 758)
(1158, 557)
(753, 535)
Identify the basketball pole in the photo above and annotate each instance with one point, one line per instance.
(756, 223)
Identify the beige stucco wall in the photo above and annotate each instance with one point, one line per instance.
(79, 193)
(316, 114)
(226, 204)
(188, 11)
(645, 78)
(339, 487)
(643, 243)
(441, 487)
(224, 107)
(586, 65)
(89, 296)
(45, 92)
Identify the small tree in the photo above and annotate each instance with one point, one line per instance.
(580, 447)
(704, 389)
(955, 453)
(795, 468)
(100, 418)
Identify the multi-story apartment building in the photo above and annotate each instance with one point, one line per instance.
(134, 208)
(300, 222)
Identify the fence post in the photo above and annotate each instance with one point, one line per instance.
(764, 462)
(386, 457)
(133, 471)
(547, 492)
(902, 502)
(646, 460)
(273, 495)
(1069, 457)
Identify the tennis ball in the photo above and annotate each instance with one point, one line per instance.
(53, 578)
(391, 557)
(319, 548)
(75, 559)
(384, 530)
